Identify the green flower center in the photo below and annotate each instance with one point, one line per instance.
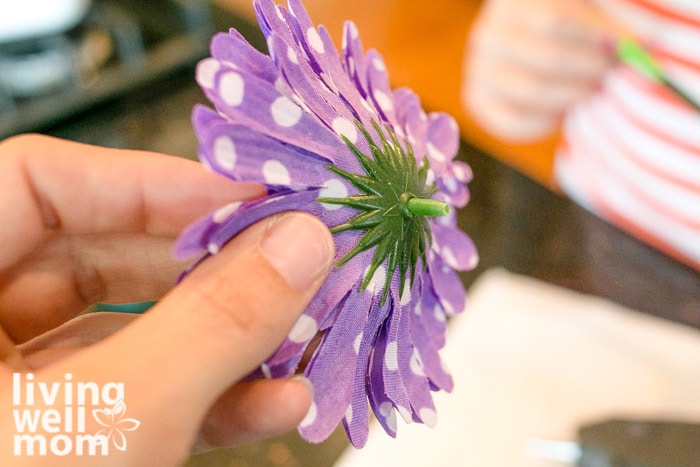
(394, 204)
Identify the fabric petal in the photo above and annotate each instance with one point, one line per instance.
(233, 50)
(447, 285)
(246, 99)
(382, 406)
(455, 248)
(333, 367)
(389, 355)
(426, 355)
(320, 314)
(413, 376)
(242, 155)
(442, 140)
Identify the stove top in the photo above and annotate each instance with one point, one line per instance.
(120, 46)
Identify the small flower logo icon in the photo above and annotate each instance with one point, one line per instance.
(114, 423)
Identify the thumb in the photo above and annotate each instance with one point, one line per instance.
(215, 327)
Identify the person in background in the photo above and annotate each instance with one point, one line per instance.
(538, 85)
(630, 147)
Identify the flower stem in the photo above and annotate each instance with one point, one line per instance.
(427, 207)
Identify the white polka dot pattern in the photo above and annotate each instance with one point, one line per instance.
(225, 153)
(304, 329)
(285, 112)
(275, 173)
(232, 88)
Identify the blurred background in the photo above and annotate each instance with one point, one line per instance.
(120, 73)
(61, 57)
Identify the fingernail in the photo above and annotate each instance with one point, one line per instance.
(300, 248)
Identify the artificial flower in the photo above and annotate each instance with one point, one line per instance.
(326, 134)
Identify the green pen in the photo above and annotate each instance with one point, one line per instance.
(629, 51)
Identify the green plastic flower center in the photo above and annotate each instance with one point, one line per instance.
(394, 204)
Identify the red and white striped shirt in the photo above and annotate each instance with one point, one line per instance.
(631, 152)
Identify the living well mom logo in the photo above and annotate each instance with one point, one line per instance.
(51, 418)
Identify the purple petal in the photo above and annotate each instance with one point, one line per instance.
(356, 419)
(382, 406)
(413, 375)
(389, 355)
(353, 58)
(234, 49)
(426, 355)
(431, 313)
(446, 284)
(380, 93)
(248, 100)
(455, 248)
(442, 140)
(333, 367)
(319, 99)
(321, 313)
(243, 155)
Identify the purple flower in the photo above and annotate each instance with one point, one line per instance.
(327, 135)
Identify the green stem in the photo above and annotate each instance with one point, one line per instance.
(427, 207)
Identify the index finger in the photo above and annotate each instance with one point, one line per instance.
(50, 185)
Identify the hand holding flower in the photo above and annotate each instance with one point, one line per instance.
(85, 224)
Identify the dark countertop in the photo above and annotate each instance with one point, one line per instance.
(516, 223)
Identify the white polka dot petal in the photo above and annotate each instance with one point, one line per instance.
(385, 409)
(378, 65)
(406, 295)
(333, 188)
(344, 127)
(225, 152)
(391, 356)
(449, 257)
(304, 329)
(225, 212)
(278, 11)
(376, 284)
(405, 414)
(435, 153)
(232, 88)
(439, 314)
(416, 363)
(383, 100)
(428, 416)
(285, 113)
(310, 416)
(417, 309)
(314, 40)
(275, 173)
(391, 420)
(354, 32)
(206, 72)
(357, 343)
(292, 55)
